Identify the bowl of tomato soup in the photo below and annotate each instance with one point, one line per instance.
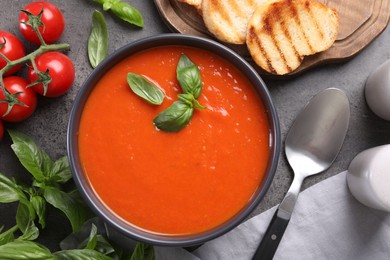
(178, 188)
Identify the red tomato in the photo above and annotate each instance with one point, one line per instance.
(52, 18)
(1, 130)
(61, 71)
(13, 50)
(27, 96)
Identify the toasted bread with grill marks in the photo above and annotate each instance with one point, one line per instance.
(227, 20)
(281, 32)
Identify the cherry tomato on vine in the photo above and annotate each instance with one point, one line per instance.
(61, 71)
(28, 97)
(1, 130)
(13, 50)
(52, 18)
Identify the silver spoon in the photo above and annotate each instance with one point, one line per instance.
(311, 146)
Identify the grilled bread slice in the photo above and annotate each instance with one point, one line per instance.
(280, 33)
(227, 20)
(195, 3)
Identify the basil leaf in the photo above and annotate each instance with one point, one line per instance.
(70, 205)
(60, 171)
(145, 89)
(39, 205)
(9, 191)
(188, 75)
(20, 250)
(25, 216)
(7, 236)
(98, 39)
(92, 240)
(175, 117)
(127, 13)
(123, 10)
(143, 252)
(80, 254)
(29, 154)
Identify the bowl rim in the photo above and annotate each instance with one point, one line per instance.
(111, 218)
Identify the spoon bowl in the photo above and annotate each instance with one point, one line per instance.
(311, 146)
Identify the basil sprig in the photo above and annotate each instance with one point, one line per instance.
(123, 10)
(47, 189)
(98, 39)
(179, 114)
(145, 89)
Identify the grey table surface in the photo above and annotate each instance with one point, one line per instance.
(49, 123)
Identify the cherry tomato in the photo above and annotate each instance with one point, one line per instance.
(52, 18)
(1, 130)
(27, 96)
(61, 71)
(13, 50)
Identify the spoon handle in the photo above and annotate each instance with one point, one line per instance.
(271, 239)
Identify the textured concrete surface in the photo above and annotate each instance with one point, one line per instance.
(48, 125)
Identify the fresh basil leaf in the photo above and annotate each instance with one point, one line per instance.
(9, 191)
(39, 205)
(71, 206)
(188, 75)
(127, 13)
(145, 89)
(98, 39)
(123, 10)
(7, 236)
(25, 216)
(175, 117)
(92, 239)
(60, 171)
(29, 154)
(143, 252)
(24, 250)
(80, 254)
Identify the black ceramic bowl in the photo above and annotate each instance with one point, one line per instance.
(83, 184)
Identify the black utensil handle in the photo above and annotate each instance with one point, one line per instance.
(271, 239)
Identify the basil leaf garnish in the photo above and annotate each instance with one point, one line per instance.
(175, 117)
(143, 251)
(98, 39)
(123, 10)
(188, 75)
(128, 13)
(145, 89)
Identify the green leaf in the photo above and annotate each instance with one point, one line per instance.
(39, 205)
(60, 171)
(188, 75)
(92, 240)
(25, 216)
(9, 191)
(98, 39)
(71, 206)
(143, 252)
(80, 254)
(21, 250)
(7, 236)
(175, 117)
(30, 156)
(145, 89)
(127, 13)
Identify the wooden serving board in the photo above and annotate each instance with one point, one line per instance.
(361, 21)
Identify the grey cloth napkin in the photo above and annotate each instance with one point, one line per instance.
(327, 223)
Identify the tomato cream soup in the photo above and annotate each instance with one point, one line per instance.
(174, 183)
